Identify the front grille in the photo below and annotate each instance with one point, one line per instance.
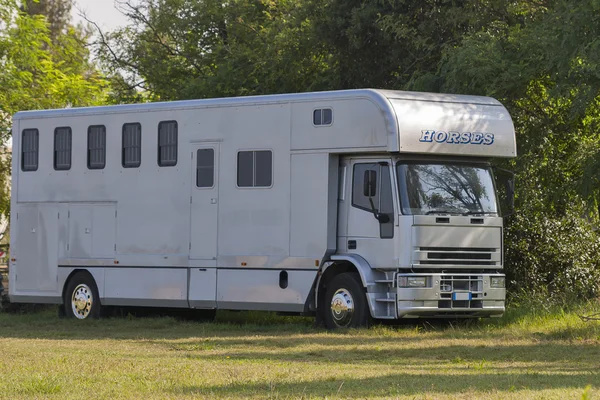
(450, 284)
(460, 304)
(457, 256)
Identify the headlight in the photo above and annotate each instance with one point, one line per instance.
(412, 281)
(497, 281)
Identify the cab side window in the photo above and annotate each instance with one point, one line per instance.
(377, 199)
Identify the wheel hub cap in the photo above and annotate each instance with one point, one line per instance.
(342, 307)
(81, 301)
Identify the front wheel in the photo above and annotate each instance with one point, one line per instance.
(345, 303)
(81, 297)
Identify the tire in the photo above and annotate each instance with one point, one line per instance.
(345, 303)
(81, 297)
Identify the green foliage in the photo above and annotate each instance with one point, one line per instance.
(552, 258)
(178, 49)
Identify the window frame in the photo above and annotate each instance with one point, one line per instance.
(213, 168)
(237, 164)
(69, 149)
(176, 145)
(483, 165)
(89, 131)
(388, 166)
(377, 203)
(36, 151)
(125, 125)
(322, 110)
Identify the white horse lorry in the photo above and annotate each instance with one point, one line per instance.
(348, 205)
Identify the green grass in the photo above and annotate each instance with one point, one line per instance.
(549, 354)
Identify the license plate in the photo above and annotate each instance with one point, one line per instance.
(461, 296)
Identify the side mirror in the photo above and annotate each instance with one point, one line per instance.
(510, 192)
(505, 184)
(370, 183)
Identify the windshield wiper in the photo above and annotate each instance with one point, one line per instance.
(440, 212)
(472, 212)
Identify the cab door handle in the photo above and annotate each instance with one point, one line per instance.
(351, 244)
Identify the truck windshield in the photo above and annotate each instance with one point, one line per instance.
(446, 189)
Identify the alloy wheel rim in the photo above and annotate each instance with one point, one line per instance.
(82, 301)
(342, 307)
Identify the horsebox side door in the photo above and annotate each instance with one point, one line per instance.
(204, 204)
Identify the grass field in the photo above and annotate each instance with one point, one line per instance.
(523, 355)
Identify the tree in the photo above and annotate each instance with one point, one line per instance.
(178, 49)
(57, 13)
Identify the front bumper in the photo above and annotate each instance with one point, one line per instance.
(451, 295)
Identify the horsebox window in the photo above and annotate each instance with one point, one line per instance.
(255, 168)
(96, 154)
(323, 116)
(131, 156)
(30, 141)
(62, 149)
(167, 143)
(205, 168)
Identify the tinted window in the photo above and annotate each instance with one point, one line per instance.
(62, 148)
(382, 201)
(255, 168)
(317, 117)
(358, 198)
(30, 149)
(96, 156)
(386, 204)
(263, 174)
(323, 116)
(205, 168)
(167, 144)
(327, 116)
(446, 189)
(245, 169)
(132, 146)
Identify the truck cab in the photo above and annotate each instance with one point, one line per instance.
(422, 225)
(431, 231)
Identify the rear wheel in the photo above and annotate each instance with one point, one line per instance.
(81, 297)
(345, 303)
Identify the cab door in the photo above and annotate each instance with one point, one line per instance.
(371, 214)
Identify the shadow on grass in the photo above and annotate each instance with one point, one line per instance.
(265, 328)
(397, 385)
(574, 356)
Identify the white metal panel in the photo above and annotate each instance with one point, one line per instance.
(36, 252)
(26, 252)
(103, 230)
(63, 230)
(203, 287)
(204, 208)
(255, 221)
(259, 289)
(357, 123)
(47, 272)
(80, 231)
(167, 284)
(467, 129)
(309, 194)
